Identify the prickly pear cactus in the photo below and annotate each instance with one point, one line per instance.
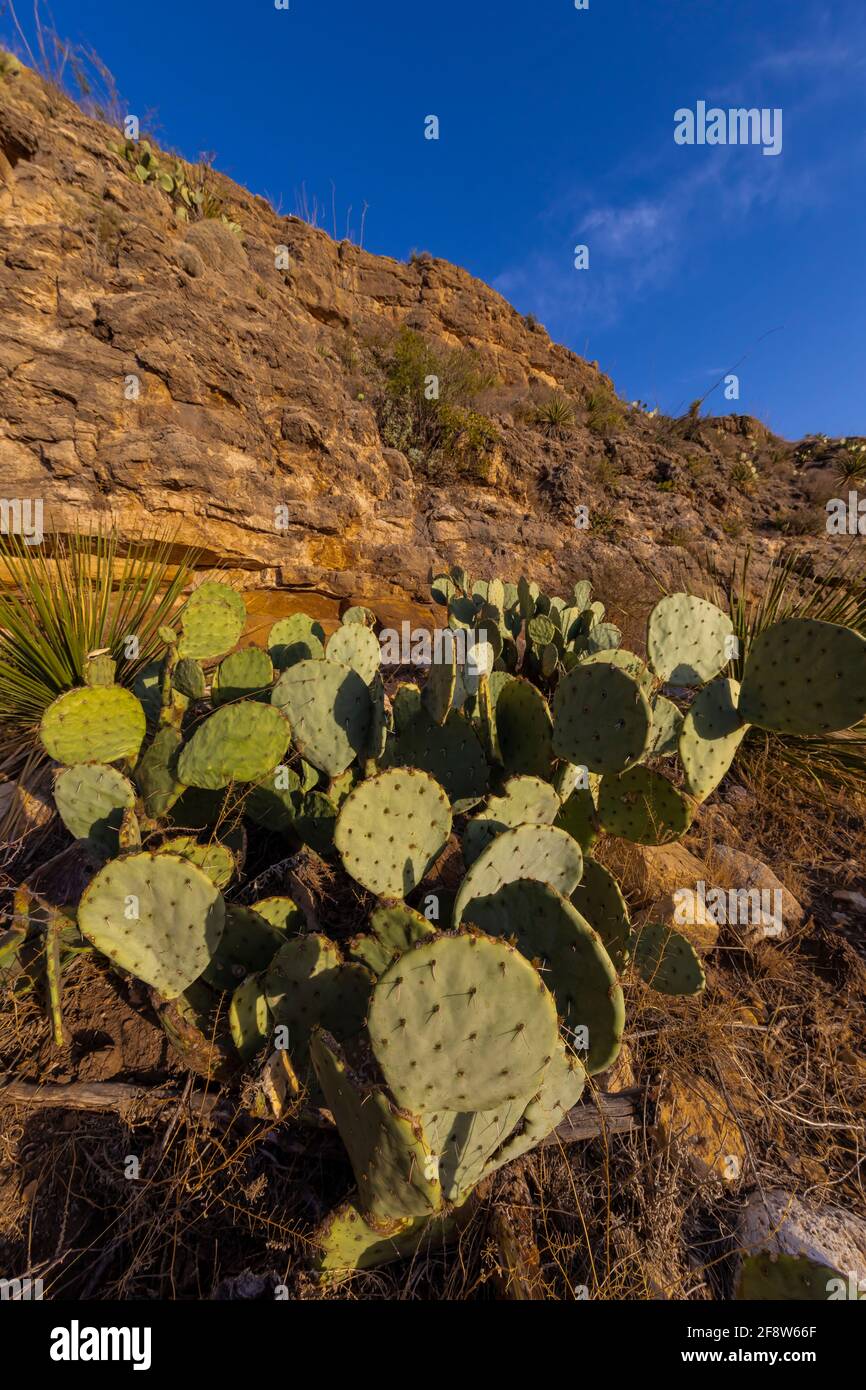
(100, 669)
(391, 828)
(643, 806)
(94, 724)
(355, 645)
(242, 675)
(602, 718)
(296, 638)
(436, 1024)
(712, 731)
(524, 728)
(329, 708)
(155, 915)
(237, 743)
(666, 961)
(688, 640)
(188, 679)
(803, 676)
(91, 799)
(212, 621)
(529, 851)
(524, 801)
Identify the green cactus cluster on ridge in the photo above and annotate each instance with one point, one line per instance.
(442, 1047)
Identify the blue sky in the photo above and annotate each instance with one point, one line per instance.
(556, 129)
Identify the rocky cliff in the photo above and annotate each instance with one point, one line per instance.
(193, 375)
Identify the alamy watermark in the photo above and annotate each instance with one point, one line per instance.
(736, 126)
(22, 516)
(756, 907)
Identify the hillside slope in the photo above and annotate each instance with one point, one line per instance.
(265, 388)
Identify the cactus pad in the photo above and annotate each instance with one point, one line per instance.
(529, 851)
(346, 1243)
(282, 913)
(599, 900)
(451, 753)
(461, 1023)
(248, 944)
(356, 646)
(602, 719)
(578, 817)
(643, 806)
(369, 951)
(779, 1278)
(803, 676)
(666, 960)
(438, 694)
(91, 799)
(212, 621)
(294, 639)
(244, 673)
(464, 1142)
(627, 662)
(712, 731)
(569, 956)
(307, 983)
(561, 1089)
(155, 915)
(524, 728)
(155, 774)
(688, 640)
(666, 729)
(398, 927)
(188, 679)
(238, 743)
(93, 724)
(329, 709)
(391, 828)
(249, 1018)
(391, 1159)
(524, 801)
(100, 669)
(215, 859)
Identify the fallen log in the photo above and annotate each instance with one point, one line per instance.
(604, 1113)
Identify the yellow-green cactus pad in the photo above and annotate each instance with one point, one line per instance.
(391, 829)
(237, 743)
(93, 724)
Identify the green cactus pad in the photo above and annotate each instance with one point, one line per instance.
(627, 662)
(307, 983)
(345, 1243)
(688, 640)
(93, 724)
(156, 773)
(465, 1141)
(563, 1085)
(582, 594)
(599, 900)
(602, 637)
(241, 675)
(275, 801)
(249, 1018)
(529, 851)
(391, 829)
(147, 688)
(451, 753)
(405, 704)
(215, 859)
(294, 639)
(238, 743)
(394, 1168)
(91, 799)
(540, 631)
(212, 622)
(602, 718)
(461, 1023)
(643, 806)
(398, 927)
(316, 822)
(356, 646)
(248, 944)
(329, 709)
(578, 817)
(100, 669)
(369, 951)
(359, 614)
(155, 915)
(524, 801)
(438, 693)
(574, 964)
(712, 731)
(188, 679)
(524, 729)
(666, 729)
(666, 961)
(781, 1278)
(281, 912)
(803, 676)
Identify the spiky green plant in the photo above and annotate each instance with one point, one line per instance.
(555, 416)
(85, 593)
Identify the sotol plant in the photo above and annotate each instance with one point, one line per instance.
(442, 1049)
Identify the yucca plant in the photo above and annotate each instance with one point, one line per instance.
(555, 415)
(851, 468)
(59, 603)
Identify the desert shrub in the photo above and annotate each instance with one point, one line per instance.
(604, 411)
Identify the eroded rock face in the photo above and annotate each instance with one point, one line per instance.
(251, 395)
